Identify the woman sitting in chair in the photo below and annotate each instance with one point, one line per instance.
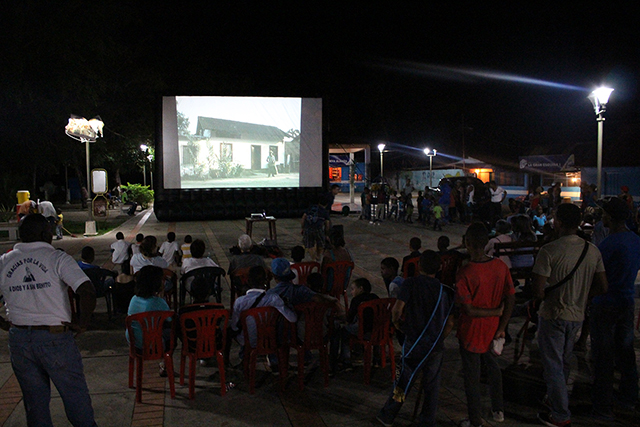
(336, 250)
(148, 287)
(148, 255)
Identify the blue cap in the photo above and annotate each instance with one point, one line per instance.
(281, 269)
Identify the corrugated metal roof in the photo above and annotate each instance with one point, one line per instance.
(238, 130)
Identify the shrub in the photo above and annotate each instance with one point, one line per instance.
(141, 194)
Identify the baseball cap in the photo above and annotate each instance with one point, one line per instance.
(281, 269)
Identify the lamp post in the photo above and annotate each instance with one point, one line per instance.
(381, 148)
(85, 131)
(144, 148)
(599, 99)
(431, 154)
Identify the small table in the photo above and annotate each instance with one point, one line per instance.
(272, 226)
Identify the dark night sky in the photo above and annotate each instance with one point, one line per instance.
(378, 67)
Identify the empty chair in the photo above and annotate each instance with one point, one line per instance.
(203, 328)
(98, 277)
(304, 269)
(381, 334)
(265, 341)
(337, 275)
(212, 275)
(312, 315)
(152, 347)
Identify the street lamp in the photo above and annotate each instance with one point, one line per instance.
(86, 131)
(599, 99)
(381, 148)
(431, 154)
(144, 149)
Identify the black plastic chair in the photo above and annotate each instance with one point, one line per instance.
(212, 275)
(98, 277)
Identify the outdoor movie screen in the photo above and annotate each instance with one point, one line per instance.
(241, 142)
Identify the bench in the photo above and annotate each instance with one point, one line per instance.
(520, 273)
(518, 248)
(12, 229)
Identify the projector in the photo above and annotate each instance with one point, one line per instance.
(257, 216)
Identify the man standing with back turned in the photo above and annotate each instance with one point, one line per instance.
(567, 273)
(34, 278)
(612, 315)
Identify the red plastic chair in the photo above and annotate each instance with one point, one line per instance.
(304, 269)
(313, 315)
(381, 334)
(151, 348)
(337, 286)
(204, 332)
(267, 342)
(171, 296)
(411, 268)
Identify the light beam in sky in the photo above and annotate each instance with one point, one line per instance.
(467, 75)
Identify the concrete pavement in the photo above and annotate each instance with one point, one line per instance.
(346, 401)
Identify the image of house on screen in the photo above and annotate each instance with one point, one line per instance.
(227, 148)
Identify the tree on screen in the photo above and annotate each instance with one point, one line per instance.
(183, 124)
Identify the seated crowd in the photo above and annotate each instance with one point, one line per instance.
(432, 291)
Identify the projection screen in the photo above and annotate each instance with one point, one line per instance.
(241, 142)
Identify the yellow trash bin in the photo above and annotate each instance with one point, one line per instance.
(23, 196)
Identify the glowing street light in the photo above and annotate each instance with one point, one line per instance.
(599, 98)
(86, 131)
(381, 149)
(431, 154)
(144, 148)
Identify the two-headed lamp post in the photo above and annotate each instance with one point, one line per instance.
(599, 98)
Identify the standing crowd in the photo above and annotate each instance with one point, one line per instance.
(585, 262)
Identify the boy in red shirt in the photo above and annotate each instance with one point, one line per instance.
(485, 293)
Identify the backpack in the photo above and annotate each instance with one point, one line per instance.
(314, 220)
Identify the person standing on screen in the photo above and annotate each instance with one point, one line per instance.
(271, 165)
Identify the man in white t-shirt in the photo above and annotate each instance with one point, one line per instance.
(34, 278)
(120, 249)
(498, 194)
(197, 259)
(135, 246)
(169, 248)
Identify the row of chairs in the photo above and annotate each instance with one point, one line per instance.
(203, 329)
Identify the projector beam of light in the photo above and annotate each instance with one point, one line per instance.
(468, 75)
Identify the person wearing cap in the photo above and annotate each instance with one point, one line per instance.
(255, 297)
(626, 197)
(612, 314)
(34, 280)
(294, 294)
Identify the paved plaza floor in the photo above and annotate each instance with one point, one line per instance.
(347, 401)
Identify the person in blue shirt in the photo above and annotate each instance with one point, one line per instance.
(147, 298)
(612, 314)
